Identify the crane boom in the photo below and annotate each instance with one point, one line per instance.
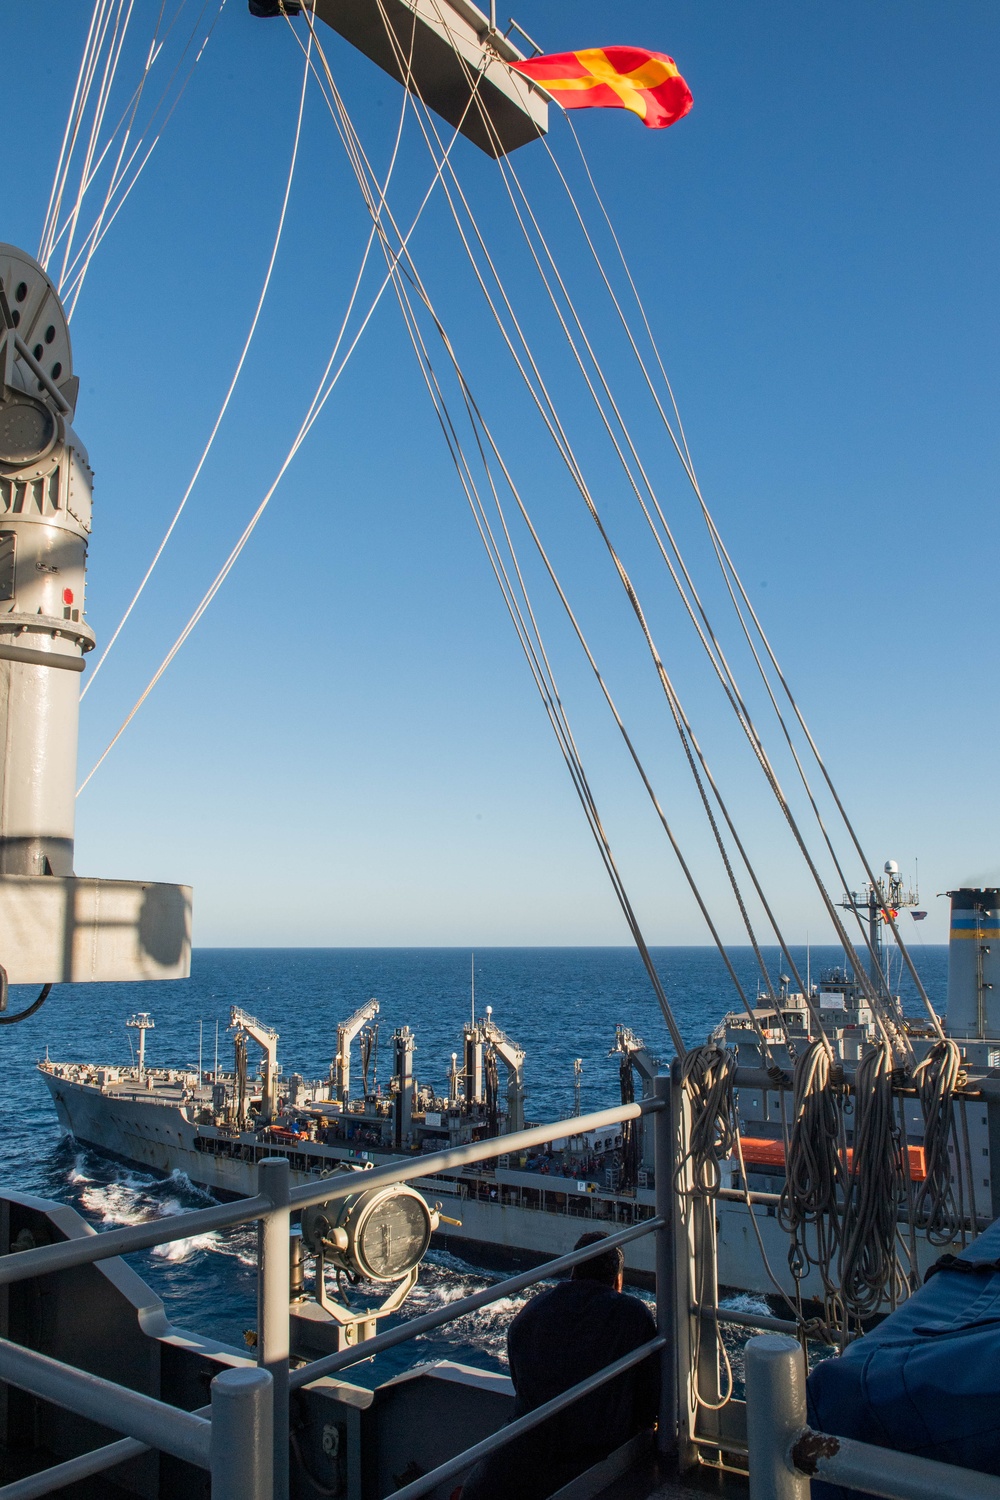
(267, 1040)
(449, 54)
(346, 1032)
(513, 1058)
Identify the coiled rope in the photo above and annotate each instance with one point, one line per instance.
(813, 1172)
(937, 1208)
(870, 1272)
(708, 1077)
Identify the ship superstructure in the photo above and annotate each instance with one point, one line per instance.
(216, 1128)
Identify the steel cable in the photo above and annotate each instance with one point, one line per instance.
(552, 421)
(226, 399)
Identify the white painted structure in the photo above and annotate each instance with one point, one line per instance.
(54, 926)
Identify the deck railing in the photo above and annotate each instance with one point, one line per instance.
(786, 1455)
(243, 1437)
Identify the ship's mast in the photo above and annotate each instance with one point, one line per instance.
(346, 1032)
(141, 1022)
(875, 902)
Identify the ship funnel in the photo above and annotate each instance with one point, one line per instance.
(974, 964)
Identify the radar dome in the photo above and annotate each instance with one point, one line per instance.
(891, 867)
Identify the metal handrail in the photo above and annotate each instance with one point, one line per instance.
(235, 1445)
(785, 1454)
(58, 1476)
(531, 1419)
(45, 1258)
(260, 1471)
(154, 1422)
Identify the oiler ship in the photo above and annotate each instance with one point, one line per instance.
(524, 1207)
(521, 1208)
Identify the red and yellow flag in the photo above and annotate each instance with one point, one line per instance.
(634, 78)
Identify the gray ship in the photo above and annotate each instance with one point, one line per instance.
(523, 1208)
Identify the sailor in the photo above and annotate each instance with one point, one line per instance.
(557, 1339)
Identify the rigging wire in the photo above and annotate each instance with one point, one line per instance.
(536, 656)
(229, 393)
(75, 275)
(550, 697)
(885, 1021)
(653, 976)
(93, 237)
(126, 169)
(450, 351)
(683, 451)
(323, 391)
(869, 1231)
(97, 234)
(577, 475)
(684, 728)
(78, 105)
(567, 454)
(578, 775)
(110, 69)
(69, 139)
(564, 448)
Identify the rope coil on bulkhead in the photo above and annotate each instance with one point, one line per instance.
(708, 1078)
(870, 1271)
(937, 1209)
(813, 1172)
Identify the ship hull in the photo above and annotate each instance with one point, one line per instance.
(161, 1138)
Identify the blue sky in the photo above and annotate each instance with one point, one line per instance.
(349, 749)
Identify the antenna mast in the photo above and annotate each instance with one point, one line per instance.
(141, 1022)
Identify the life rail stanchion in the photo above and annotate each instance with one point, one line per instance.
(776, 1414)
(666, 1270)
(242, 1439)
(273, 1336)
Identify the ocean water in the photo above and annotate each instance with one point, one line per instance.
(558, 1003)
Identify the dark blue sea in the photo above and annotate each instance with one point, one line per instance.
(558, 1003)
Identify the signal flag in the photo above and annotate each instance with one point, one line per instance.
(647, 83)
